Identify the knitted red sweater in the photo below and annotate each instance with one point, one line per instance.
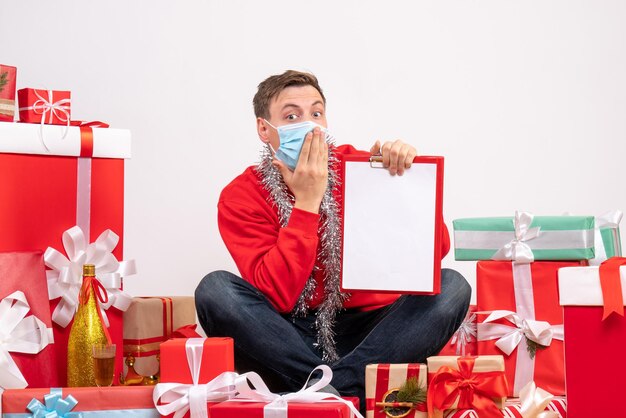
(277, 260)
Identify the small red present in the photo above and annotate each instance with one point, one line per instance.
(7, 92)
(463, 341)
(51, 107)
(466, 383)
(327, 409)
(75, 402)
(26, 359)
(383, 382)
(194, 372)
(595, 337)
(526, 323)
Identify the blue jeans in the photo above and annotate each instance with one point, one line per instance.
(283, 351)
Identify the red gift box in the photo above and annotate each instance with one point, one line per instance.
(526, 298)
(594, 347)
(7, 92)
(44, 192)
(25, 271)
(44, 106)
(383, 378)
(217, 357)
(108, 401)
(463, 342)
(513, 409)
(230, 409)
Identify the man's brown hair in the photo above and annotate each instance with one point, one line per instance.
(272, 86)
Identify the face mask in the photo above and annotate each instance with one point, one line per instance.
(291, 140)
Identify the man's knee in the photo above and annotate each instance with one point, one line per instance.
(455, 291)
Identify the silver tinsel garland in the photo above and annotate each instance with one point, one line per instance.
(329, 257)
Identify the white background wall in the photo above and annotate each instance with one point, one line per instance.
(526, 100)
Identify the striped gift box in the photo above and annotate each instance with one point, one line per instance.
(513, 409)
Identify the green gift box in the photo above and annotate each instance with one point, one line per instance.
(607, 237)
(524, 238)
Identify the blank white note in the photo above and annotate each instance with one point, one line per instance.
(389, 228)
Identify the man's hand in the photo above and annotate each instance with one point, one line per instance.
(308, 181)
(397, 156)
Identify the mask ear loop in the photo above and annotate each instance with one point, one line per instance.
(272, 150)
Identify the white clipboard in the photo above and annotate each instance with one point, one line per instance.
(392, 226)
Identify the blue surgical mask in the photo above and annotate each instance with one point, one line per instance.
(291, 140)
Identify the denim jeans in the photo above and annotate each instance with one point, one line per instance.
(283, 350)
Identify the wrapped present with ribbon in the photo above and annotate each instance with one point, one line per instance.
(525, 323)
(78, 181)
(216, 356)
(533, 402)
(607, 237)
(308, 402)
(7, 92)
(595, 334)
(463, 341)
(466, 383)
(524, 238)
(87, 402)
(395, 390)
(52, 107)
(143, 332)
(26, 356)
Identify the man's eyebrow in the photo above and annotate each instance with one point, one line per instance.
(286, 105)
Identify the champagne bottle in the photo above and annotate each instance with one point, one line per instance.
(87, 329)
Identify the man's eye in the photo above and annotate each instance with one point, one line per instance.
(292, 117)
(317, 114)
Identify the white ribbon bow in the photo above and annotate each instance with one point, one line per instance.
(516, 249)
(65, 278)
(19, 334)
(610, 219)
(465, 334)
(278, 404)
(509, 337)
(534, 401)
(178, 398)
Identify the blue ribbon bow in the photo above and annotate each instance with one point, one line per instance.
(54, 406)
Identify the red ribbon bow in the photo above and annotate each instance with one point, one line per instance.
(473, 390)
(100, 293)
(612, 286)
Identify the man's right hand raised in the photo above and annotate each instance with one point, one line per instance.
(309, 180)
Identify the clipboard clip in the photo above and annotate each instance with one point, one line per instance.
(376, 161)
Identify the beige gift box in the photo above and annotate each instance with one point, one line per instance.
(148, 322)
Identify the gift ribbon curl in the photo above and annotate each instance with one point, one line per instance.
(517, 249)
(534, 401)
(472, 390)
(54, 406)
(611, 284)
(509, 337)
(19, 334)
(465, 334)
(65, 278)
(178, 398)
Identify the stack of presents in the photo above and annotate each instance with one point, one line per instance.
(548, 325)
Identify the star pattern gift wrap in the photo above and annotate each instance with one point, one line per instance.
(524, 238)
(27, 356)
(7, 92)
(595, 335)
(526, 315)
(48, 189)
(382, 379)
(466, 383)
(148, 322)
(463, 341)
(87, 402)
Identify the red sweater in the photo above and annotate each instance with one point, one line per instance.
(276, 260)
